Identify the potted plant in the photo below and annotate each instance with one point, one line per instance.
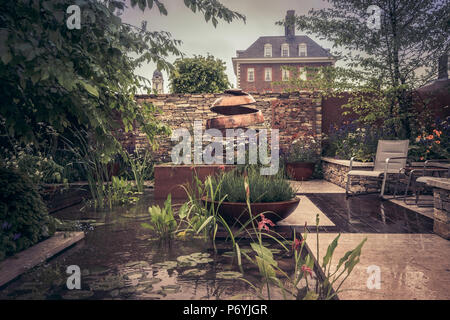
(301, 159)
(272, 195)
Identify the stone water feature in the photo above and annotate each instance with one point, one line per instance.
(237, 111)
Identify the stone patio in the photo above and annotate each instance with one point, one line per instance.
(413, 261)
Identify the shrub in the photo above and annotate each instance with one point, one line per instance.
(262, 188)
(351, 140)
(301, 151)
(24, 220)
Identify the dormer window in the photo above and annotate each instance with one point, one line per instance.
(302, 50)
(267, 50)
(285, 50)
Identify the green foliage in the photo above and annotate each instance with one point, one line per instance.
(68, 78)
(432, 143)
(270, 188)
(384, 64)
(141, 166)
(24, 220)
(121, 192)
(302, 151)
(199, 75)
(162, 220)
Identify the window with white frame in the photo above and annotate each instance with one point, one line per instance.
(302, 50)
(284, 74)
(250, 74)
(268, 74)
(267, 50)
(302, 73)
(285, 50)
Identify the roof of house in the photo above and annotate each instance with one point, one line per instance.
(256, 50)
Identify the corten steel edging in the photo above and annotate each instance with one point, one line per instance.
(235, 121)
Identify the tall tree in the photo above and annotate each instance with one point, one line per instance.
(398, 55)
(199, 75)
(68, 77)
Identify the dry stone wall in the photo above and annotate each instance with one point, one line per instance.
(294, 114)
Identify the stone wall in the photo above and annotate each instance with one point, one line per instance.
(294, 114)
(336, 171)
(442, 212)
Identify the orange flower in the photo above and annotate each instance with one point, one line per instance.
(422, 158)
(438, 142)
(430, 137)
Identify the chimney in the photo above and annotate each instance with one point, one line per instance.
(289, 28)
(443, 67)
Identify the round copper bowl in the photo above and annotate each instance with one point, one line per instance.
(233, 103)
(236, 121)
(238, 211)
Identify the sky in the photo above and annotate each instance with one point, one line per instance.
(201, 38)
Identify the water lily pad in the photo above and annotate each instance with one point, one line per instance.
(77, 294)
(97, 270)
(134, 275)
(127, 291)
(200, 255)
(194, 273)
(228, 275)
(171, 288)
(137, 264)
(187, 261)
(150, 281)
(107, 283)
(165, 265)
(205, 260)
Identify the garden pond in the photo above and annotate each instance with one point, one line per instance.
(119, 259)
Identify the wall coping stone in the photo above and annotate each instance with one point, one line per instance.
(346, 163)
(442, 183)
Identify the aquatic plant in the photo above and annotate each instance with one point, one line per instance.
(162, 220)
(265, 188)
(141, 167)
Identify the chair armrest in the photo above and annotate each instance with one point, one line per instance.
(392, 158)
(434, 160)
(351, 163)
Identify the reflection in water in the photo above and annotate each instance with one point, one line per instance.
(121, 260)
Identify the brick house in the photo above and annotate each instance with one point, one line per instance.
(258, 67)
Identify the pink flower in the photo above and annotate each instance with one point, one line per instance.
(297, 244)
(307, 270)
(264, 222)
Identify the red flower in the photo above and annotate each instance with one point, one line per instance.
(307, 270)
(297, 244)
(264, 222)
(222, 168)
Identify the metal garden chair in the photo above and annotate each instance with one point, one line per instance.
(391, 158)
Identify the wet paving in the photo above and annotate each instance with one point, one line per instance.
(369, 214)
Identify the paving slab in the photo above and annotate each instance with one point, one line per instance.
(316, 186)
(306, 212)
(426, 211)
(413, 266)
(14, 266)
